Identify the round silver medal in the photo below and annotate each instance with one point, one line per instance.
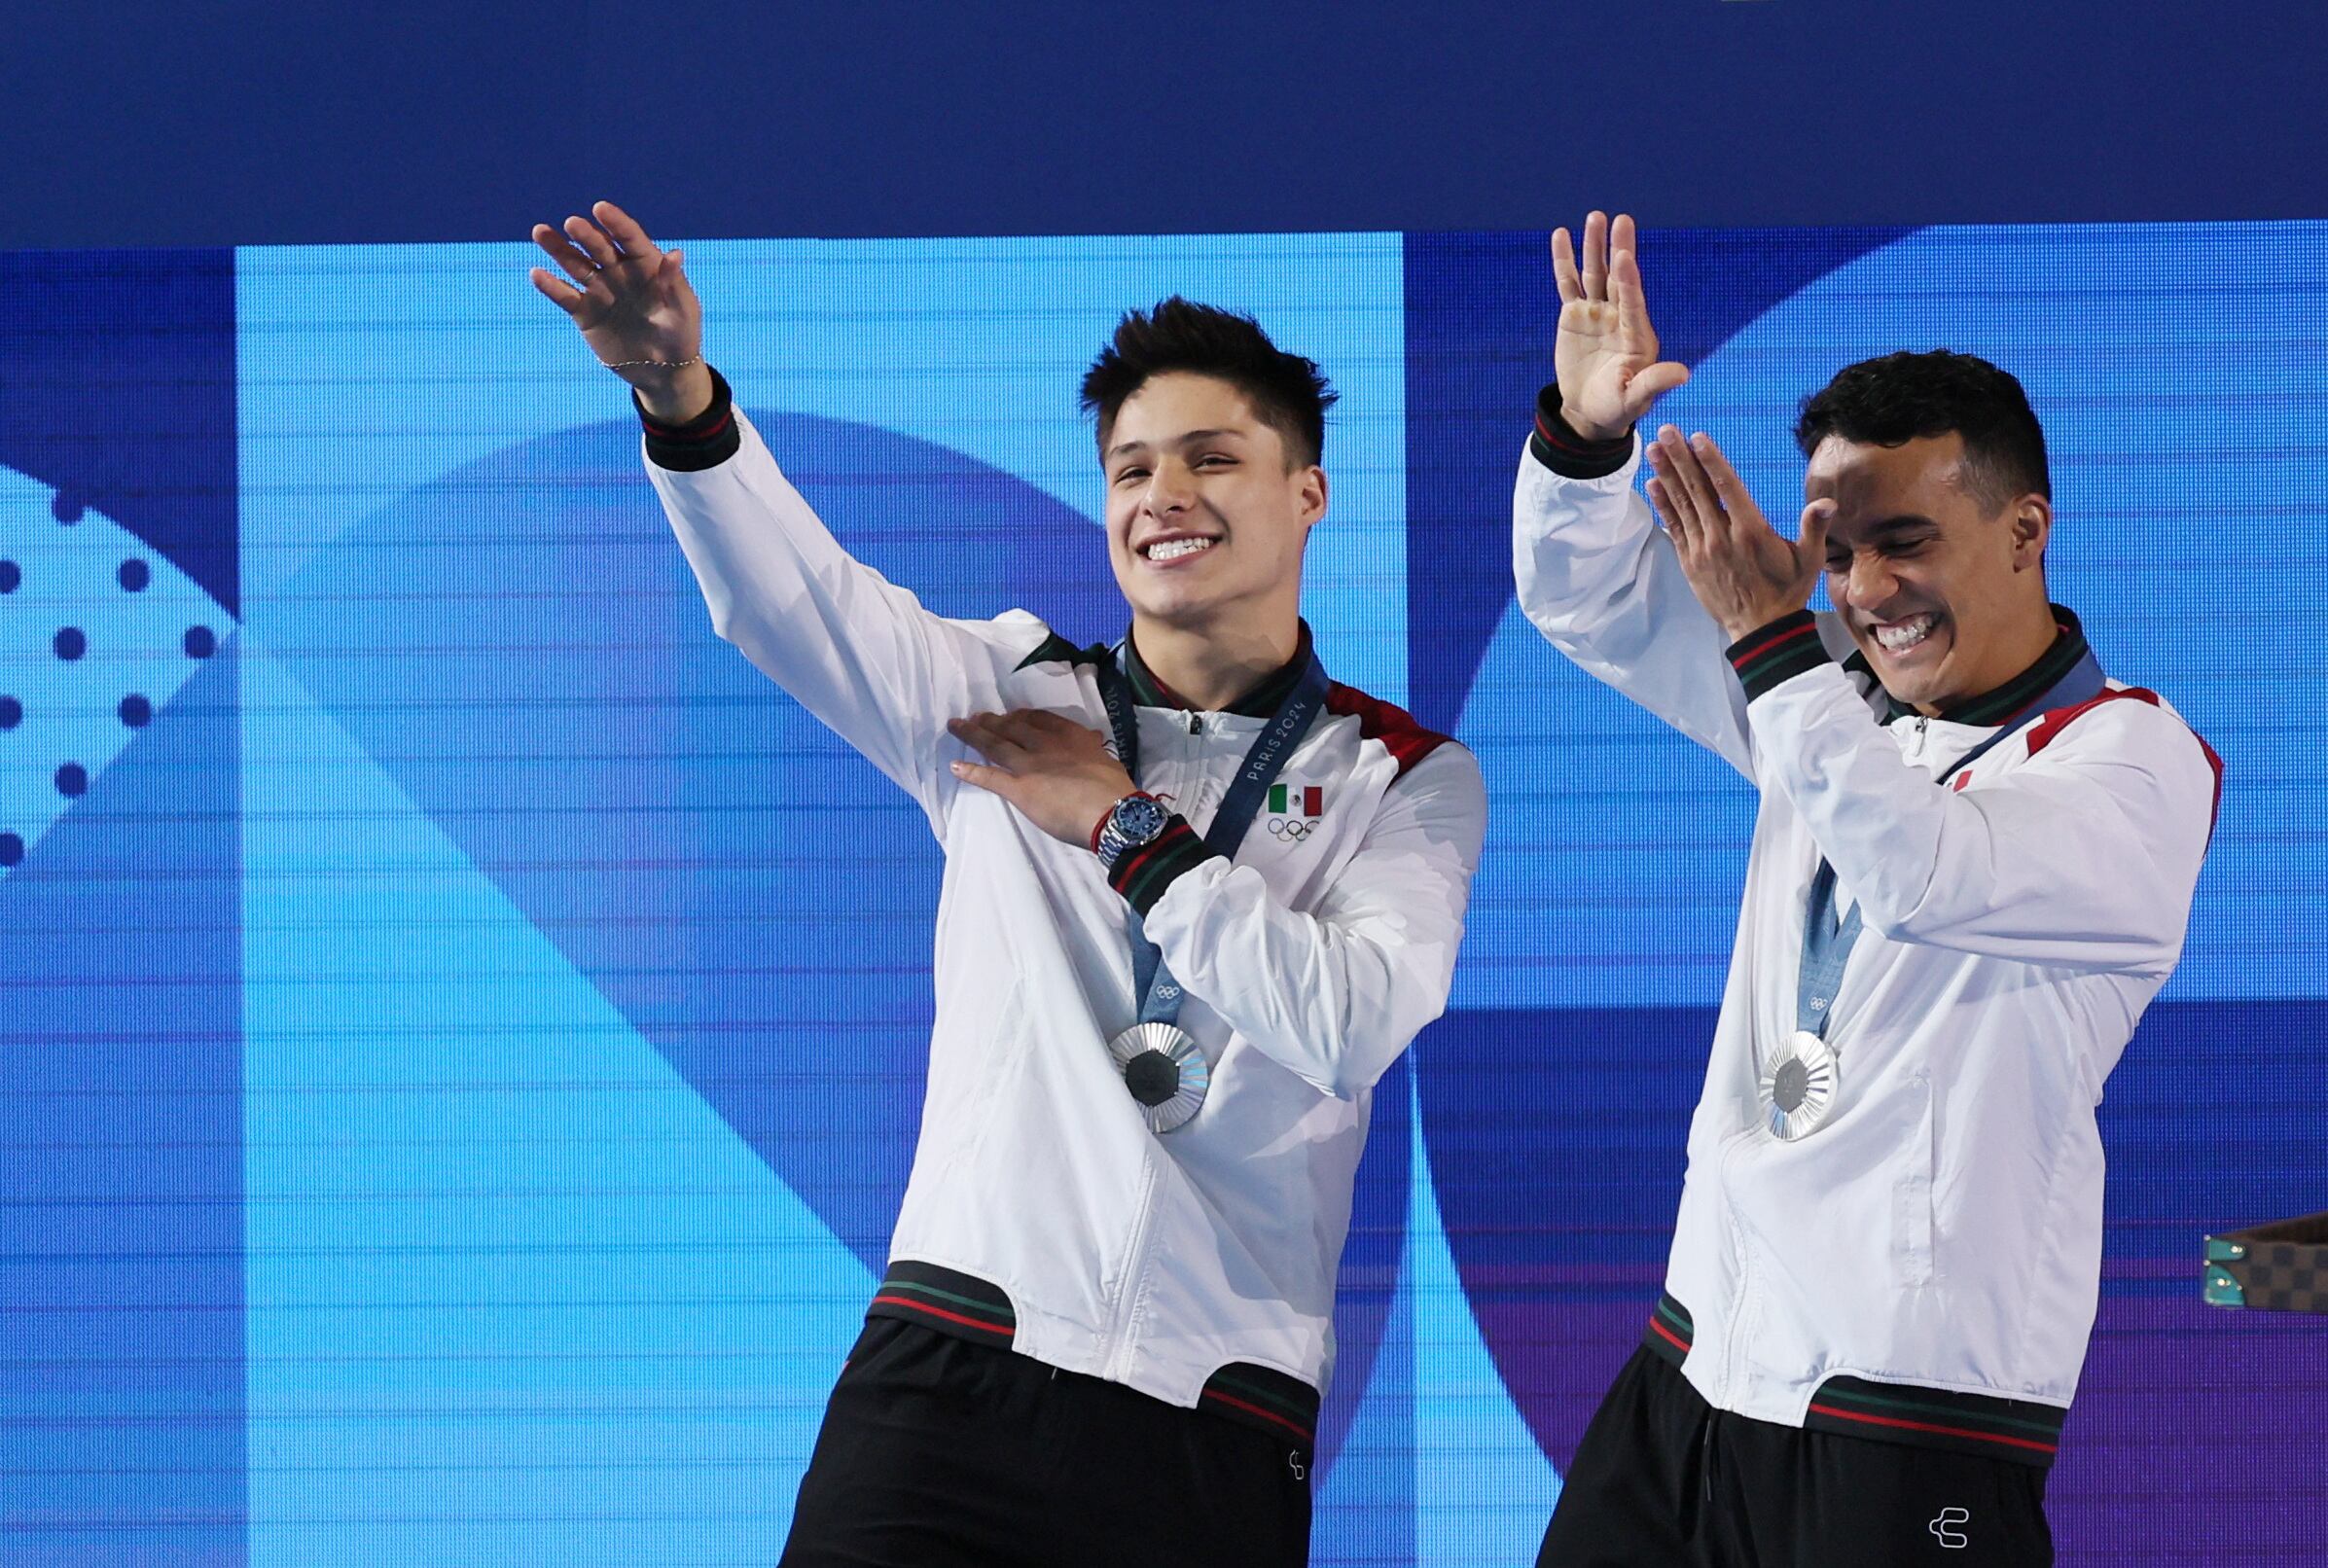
(1165, 1072)
(1799, 1086)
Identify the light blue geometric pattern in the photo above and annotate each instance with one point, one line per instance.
(514, 1293)
(367, 371)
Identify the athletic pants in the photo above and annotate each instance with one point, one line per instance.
(1665, 1481)
(939, 1453)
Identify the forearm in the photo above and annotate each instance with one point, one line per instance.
(1334, 994)
(854, 649)
(1599, 580)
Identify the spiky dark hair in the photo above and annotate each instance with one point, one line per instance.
(1897, 398)
(1288, 393)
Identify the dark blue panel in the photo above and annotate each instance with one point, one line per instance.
(148, 122)
(1482, 314)
(119, 393)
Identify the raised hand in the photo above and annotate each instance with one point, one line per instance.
(635, 305)
(1606, 352)
(1741, 570)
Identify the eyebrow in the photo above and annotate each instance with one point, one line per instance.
(1886, 528)
(1187, 438)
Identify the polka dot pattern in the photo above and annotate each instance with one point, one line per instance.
(99, 632)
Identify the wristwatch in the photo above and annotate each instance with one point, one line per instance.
(1134, 820)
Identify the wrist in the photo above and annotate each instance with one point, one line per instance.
(1561, 445)
(1775, 651)
(676, 396)
(1586, 429)
(1130, 821)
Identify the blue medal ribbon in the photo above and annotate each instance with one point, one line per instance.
(1158, 993)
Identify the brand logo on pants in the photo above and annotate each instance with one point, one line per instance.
(1943, 1528)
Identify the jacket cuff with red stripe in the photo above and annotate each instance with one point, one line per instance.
(706, 441)
(1568, 454)
(1778, 652)
(1142, 875)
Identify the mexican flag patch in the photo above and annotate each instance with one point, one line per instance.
(1296, 799)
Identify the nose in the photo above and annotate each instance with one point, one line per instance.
(1870, 583)
(1169, 491)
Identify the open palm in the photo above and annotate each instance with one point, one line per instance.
(1606, 351)
(631, 300)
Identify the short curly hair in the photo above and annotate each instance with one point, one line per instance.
(1289, 393)
(1897, 398)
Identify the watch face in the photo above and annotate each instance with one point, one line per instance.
(1139, 819)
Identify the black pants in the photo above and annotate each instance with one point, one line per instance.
(936, 1453)
(1665, 1481)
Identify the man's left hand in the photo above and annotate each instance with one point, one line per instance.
(1744, 574)
(1060, 775)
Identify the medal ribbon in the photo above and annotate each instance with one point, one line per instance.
(1827, 941)
(1152, 982)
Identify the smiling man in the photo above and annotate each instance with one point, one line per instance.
(1971, 872)
(1106, 1323)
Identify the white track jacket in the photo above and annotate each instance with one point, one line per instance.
(1924, 1267)
(1042, 1214)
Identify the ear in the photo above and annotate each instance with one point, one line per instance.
(1313, 496)
(2032, 526)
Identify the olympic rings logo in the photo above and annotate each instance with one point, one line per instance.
(1292, 829)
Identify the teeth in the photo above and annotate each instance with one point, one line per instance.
(1906, 634)
(1171, 549)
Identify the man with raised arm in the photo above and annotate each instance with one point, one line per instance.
(1970, 873)
(1107, 1318)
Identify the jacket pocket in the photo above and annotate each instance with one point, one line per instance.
(1912, 1193)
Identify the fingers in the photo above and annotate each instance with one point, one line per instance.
(1011, 738)
(1671, 498)
(1648, 386)
(994, 780)
(1563, 267)
(1620, 235)
(624, 229)
(592, 240)
(557, 291)
(570, 257)
(1727, 488)
(1811, 555)
(1686, 480)
(1596, 277)
(991, 736)
(1624, 288)
(1685, 534)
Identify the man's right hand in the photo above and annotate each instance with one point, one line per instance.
(635, 305)
(1606, 352)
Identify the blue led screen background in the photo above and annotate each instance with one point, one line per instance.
(461, 1026)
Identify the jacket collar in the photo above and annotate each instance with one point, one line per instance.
(1258, 703)
(2008, 701)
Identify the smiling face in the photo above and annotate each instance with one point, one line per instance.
(1205, 517)
(1943, 592)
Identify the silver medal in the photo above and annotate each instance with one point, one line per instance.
(1799, 1086)
(1165, 1072)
